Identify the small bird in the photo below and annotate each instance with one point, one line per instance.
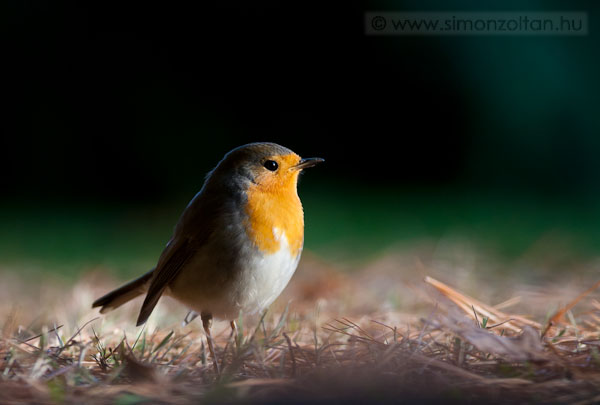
(237, 243)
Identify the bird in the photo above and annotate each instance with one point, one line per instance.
(236, 245)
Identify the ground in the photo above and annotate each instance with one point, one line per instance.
(395, 329)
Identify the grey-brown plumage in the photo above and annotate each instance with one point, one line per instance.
(123, 294)
(216, 213)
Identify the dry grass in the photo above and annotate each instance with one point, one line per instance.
(381, 334)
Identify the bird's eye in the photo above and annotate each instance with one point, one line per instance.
(271, 165)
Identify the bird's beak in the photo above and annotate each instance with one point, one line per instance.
(307, 162)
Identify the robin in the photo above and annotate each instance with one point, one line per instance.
(237, 243)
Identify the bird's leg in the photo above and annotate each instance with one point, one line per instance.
(206, 323)
(234, 334)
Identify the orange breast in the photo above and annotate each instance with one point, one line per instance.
(273, 208)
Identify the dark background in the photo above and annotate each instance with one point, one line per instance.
(130, 104)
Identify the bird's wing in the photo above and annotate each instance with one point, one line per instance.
(173, 259)
(192, 231)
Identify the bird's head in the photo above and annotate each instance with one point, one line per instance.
(265, 166)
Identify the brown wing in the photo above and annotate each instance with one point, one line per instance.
(192, 230)
(174, 259)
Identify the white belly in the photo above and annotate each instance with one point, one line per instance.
(265, 277)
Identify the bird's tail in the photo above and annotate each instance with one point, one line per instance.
(123, 294)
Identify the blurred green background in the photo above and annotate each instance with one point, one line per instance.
(117, 112)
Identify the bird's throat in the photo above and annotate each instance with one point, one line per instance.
(274, 212)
